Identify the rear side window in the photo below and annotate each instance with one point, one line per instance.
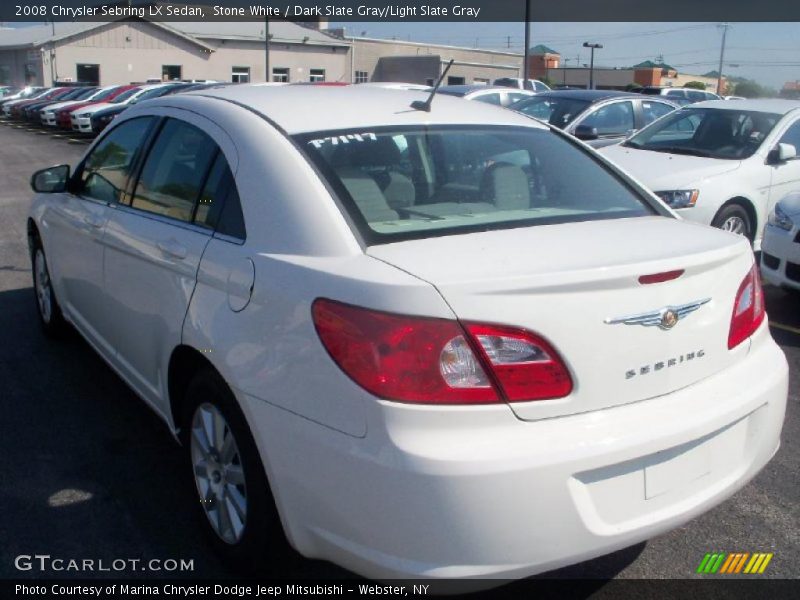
(105, 171)
(219, 207)
(175, 171)
(489, 98)
(612, 119)
(654, 110)
(424, 181)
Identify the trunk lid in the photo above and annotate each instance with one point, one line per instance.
(564, 282)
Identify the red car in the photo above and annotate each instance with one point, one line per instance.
(63, 116)
(51, 95)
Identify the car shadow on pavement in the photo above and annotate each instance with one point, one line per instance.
(92, 473)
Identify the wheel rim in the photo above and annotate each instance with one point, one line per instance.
(218, 473)
(734, 224)
(42, 284)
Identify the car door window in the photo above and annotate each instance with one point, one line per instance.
(611, 119)
(792, 136)
(515, 97)
(489, 98)
(219, 207)
(654, 110)
(676, 93)
(175, 171)
(104, 174)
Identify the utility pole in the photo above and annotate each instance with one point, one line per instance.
(266, 50)
(591, 62)
(526, 66)
(725, 27)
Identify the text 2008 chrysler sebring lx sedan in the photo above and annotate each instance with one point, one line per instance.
(452, 343)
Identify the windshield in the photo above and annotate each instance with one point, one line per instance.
(709, 132)
(151, 93)
(125, 95)
(102, 94)
(556, 111)
(418, 182)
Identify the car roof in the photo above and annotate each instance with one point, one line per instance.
(468, 88)
(297, 109)
(587, 95)
(767, 105)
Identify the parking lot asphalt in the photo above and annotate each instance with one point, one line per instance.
(90, 472)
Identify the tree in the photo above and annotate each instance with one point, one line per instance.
(748, 89)
(695, 85)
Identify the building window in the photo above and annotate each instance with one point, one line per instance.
(362, 77)
(316, 75)
(5, 74)
(480, 80)
(280, 74)
(88, 74)
(171, 72)
(455, 80)
(429, 81)
(240, 74)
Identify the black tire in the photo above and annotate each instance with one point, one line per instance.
(262, 535)
(732, 215)
(47, 307)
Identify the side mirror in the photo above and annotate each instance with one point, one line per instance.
(586, 133)
(781, 153)
(50, 180)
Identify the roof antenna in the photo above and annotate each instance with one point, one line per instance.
(426, 106)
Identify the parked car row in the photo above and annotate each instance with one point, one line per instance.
(83, 109)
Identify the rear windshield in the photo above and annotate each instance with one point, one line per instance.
(424, 181)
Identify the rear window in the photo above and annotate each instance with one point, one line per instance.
(420, 182)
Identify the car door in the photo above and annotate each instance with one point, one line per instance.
(613, 120)
(76, 223)
(785, 176)
(154, 247)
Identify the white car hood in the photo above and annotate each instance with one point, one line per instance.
(93, 108)
(662, 171)
(60, 105)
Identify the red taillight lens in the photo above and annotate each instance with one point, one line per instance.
(396, 357)
(526, 366)
(435, 361)
(748, 309)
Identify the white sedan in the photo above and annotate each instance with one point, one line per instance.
(719, 163)
(780, 251)
(413, 341)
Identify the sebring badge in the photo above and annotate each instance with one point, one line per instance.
(665, 318)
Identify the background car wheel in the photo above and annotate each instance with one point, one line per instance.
(234, 498)
(734, 218)
(47, 307)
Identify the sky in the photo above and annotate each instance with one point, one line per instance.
(768, 53)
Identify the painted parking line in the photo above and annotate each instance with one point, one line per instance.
(783, 327)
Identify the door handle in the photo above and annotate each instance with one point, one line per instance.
(93, 221)
(172, 248)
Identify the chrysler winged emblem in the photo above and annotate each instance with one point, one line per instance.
(665, 318)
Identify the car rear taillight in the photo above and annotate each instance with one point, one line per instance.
(526, 367)
(437, 361)
(748, 309)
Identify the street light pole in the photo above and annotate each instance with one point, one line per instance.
(526, 56)
(591, 62)
(721, 57)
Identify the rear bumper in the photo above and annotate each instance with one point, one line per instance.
(780, 257)
(477, 493)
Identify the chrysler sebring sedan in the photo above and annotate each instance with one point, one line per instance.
(412, 340)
